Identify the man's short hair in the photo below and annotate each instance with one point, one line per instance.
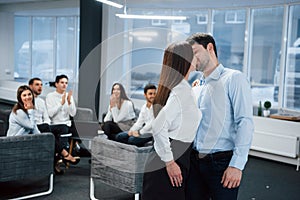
(31, 81)
(149, 87)
(58, 77)
(203, 39)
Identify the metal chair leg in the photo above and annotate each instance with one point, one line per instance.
(92, 190)
(49, 191)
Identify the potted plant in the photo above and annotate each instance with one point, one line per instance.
(267, 106)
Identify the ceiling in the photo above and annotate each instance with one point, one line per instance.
(178, 3)
(16, 1)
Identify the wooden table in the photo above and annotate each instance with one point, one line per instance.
(288, 117)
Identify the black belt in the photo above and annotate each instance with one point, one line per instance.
(213, 156)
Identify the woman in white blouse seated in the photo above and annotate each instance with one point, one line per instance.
(120, 115)
(22, 119)
(174, 127)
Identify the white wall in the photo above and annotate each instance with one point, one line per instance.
(7, 45)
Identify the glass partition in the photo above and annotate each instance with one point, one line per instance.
(22, 47)
(292, 69)
(229, 32)
(265, 44)
(45, 47)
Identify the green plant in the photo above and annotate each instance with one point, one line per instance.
(267, 105)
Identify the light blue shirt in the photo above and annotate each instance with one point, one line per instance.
(21, 123)
(227, 123)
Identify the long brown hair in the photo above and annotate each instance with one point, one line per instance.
(20, 104)
(123, 95)
(176, 64)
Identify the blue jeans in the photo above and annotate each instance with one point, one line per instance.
(204, 181)
(124, 138)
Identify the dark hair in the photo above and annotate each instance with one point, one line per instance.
(20, 104)
(149, 87)
(176, 64)
(123, 95)
(122, 90)
(58, 77)
(31, 81)
(203, 39)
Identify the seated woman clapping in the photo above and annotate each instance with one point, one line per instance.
(120, 114)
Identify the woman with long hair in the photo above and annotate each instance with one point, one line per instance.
(21, 119)
(120, 114)
(174, 127)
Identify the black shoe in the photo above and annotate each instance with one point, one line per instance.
(59, 167)
(77, 148)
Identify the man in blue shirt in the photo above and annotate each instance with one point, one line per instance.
(225, 132)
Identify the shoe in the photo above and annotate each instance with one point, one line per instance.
(77, 148)
(59, 167)
(77, 159)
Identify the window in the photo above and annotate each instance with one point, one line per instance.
(144, 42)
(229, 39)
(235, 17)
(265, 45)
(292, 67)
(202, 18)
(22, 47)
(249, 39)
(45, 47)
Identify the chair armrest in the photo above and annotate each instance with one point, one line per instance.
(84, 114)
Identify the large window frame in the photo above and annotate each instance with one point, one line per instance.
(206, 17)
(50, 55)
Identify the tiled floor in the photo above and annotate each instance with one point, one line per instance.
(262, 180)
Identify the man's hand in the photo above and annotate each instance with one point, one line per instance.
(232, 177)
(63, 99)
(129, 133)
(133, 133)
(69, 97)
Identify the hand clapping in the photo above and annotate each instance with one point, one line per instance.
(63, 98)
(69, 97)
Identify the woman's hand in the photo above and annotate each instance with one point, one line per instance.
(174, 173)
(28, 105)
(113, 101)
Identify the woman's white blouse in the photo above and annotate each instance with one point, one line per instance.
(178, 120)
(126, 112)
